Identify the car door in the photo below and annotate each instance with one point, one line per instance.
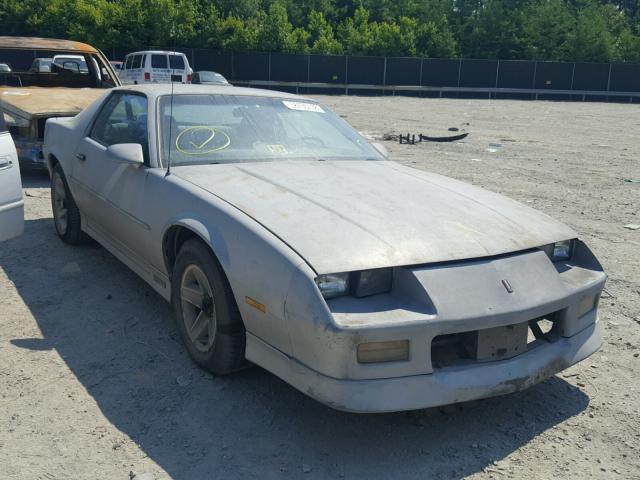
(111, 194)
(11, 203)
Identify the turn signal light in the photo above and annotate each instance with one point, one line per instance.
(378, 352)
(587, 304)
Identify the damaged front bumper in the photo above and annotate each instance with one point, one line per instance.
(443, 386)
(455, 302)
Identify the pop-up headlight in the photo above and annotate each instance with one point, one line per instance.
(559, 251)
(359, 284)
(333, 284)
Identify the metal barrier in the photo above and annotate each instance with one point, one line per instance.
(421, 76)
(300, 87)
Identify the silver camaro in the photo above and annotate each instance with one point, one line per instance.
(284, 238)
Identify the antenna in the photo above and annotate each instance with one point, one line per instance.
(168, 172)
(173, 51)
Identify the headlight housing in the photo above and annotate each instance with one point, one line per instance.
(559, 251)
(333, 284)
(359, 284)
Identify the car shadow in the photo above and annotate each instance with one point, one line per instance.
(32, 178)
(118, 338)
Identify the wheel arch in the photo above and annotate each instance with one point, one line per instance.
(176, 234)
(52, 161)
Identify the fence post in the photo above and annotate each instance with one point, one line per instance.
(459, 71)
(269, 66)
(573, 75)
(421, 64)
(384, 76)
(497, 75)
(233, 73)
(609, 81)
(535, 73)
(346, 74)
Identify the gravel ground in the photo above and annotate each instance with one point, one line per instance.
(94, 382)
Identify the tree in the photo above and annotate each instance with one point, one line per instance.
(496, 31)
(590, 40)
(564, 30)
(355, 33)
(275, 29)
(547, 27)
(321, 35)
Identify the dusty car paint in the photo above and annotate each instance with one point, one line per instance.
(347, 216)
(275, 226)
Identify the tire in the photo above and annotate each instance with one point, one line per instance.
(200, 293)
(66, 216)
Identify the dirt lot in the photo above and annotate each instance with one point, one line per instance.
(94, 382)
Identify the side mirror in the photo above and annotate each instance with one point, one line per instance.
(130, 153)
(382, 150)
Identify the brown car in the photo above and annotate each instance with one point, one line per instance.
(28, 97)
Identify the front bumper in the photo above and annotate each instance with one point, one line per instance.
(426, 305)
(442, 387)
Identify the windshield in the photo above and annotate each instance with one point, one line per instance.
(211, 77)
(201, 129)
(73, 63)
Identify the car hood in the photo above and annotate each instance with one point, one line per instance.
(45, 102)
(352, 215)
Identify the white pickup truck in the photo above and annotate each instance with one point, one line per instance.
(11, 203)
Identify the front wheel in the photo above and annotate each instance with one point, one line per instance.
(206, 312)
(66, 215)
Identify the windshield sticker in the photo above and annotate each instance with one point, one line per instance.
(303, 107)
(277, 149)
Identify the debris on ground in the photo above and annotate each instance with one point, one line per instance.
(632, 226)
(414, 138)
(631, 180)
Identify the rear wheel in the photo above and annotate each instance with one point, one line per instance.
(66, 215)
(207, 315)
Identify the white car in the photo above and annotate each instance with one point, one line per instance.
(11, 203)
(285, 238)
(155, 66)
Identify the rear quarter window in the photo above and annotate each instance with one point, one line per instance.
(158, 61)
(176, 62)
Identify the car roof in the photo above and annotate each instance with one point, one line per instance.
(161, 52)
(161, 89)
(36, 43)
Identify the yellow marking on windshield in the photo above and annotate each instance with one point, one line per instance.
(190, 140)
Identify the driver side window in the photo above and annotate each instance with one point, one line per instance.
(123, 119)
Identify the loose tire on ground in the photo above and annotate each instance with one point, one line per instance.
(200, 294)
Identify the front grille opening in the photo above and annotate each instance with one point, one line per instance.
(493, 344)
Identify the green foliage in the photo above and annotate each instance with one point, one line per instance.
(564, 30)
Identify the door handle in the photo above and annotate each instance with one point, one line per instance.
(81, 156)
